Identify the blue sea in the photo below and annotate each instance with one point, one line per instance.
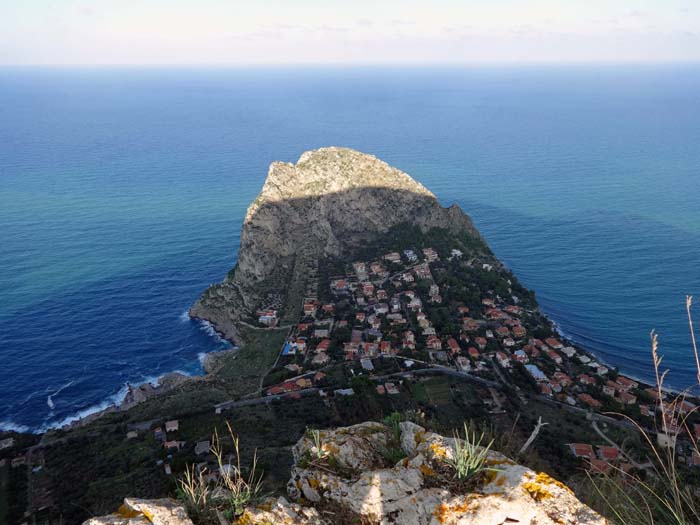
(122, 193)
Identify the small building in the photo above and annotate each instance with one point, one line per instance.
(586, 380)
(521, 356)
(391, 388)
(367, 364)
(503, 359)
(304, 382)
(582, 450)
(554, 357)
(321, 358)
(535, 372)
(569, 351)
(173, 445)
(627, 399)
(434, 343)
(344, 392)
(453, 345)
(608, 453)
(626, 383)
(172, 426)
(202, 447)
(589, 400)
(554, 343)
(463, 363)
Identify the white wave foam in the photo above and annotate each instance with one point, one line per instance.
(49, 399)
(114, 400)
(10, 426)
(185, 316)
(208, 328)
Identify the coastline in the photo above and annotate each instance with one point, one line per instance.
(130, 395)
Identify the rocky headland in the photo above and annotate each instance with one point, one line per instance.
(329, 204)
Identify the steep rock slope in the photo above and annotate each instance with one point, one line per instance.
(331, 202)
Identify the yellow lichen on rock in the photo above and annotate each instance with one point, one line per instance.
(427, 471)
(439, 452)
(127, 512)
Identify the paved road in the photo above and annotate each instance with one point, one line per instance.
(266, 400)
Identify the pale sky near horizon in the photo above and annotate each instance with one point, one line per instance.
(234, 32)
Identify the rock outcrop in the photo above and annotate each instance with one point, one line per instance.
(331, 202)
(353, 475)
(349, 475)
(145, 512)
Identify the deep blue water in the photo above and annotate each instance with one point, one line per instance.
(122, 194)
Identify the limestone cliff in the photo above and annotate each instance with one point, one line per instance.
(326, 205)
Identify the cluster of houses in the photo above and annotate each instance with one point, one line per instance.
(383, 308)
(167, 434)
(380, 310)
(601, 459)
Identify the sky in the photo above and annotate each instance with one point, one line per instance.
(234, 32)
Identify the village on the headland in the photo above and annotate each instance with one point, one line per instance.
(399, 308)
(438, 329)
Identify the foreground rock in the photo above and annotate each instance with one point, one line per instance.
(145, 512)
(344, 476)
(353, 475)
(332, 201)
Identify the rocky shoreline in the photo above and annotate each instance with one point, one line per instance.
(139, 393)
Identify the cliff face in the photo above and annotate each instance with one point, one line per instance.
(327, 204)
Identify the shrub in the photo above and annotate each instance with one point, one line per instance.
(469, 459)
(239, 489)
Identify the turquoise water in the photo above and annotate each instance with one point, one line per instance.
(122, 194)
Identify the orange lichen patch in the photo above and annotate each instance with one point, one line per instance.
(546, 479)
(537, 491)
(314, 483)
(438, 451)
(427, 471)
(418, 437)
(245, 519)
(405, 462)
(537, 488)
(330, 448)
(444, 512)
(127, 512)
(500, 480)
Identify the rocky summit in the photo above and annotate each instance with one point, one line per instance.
(329, 204)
